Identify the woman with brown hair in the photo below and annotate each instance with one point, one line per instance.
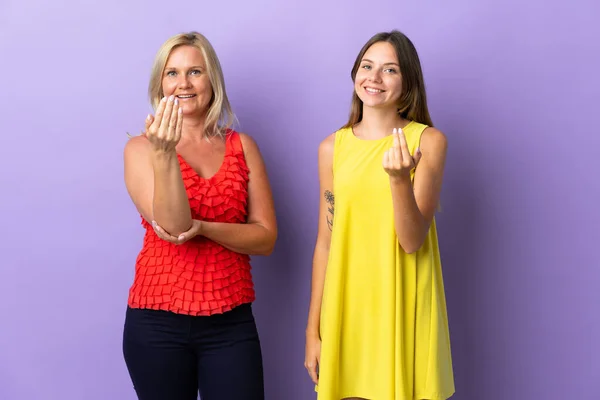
(377, 326)
(205, 201)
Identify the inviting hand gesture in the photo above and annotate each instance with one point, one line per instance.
(397, 161)
(194, 231)
(164, 130)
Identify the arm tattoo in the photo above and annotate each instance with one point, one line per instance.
(331, 200)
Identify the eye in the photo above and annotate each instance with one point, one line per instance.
(195, 72)
(367, 67)
(390, 70)
(171, 73)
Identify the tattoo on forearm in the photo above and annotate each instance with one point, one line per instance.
(331, 201)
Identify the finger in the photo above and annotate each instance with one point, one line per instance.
(396, 153)
(167, 238)
(403, 146)
(149, 120)
(179, 124)
(191, 233)
(159, 113)
(164, 123)
(312, 371)
(386, 159)
(173, 120)
(161, 233)
(417, 156)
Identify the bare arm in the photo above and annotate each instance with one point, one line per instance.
(170, 205)
(155, 185)
(414, 208)
(321, 252)
(153, 175)
(259, 234)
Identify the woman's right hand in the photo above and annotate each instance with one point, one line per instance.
(164, 130)
(312, 357)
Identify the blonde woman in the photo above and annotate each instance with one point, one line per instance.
(205, 202)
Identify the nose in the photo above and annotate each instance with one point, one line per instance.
(375, 75)
(183, 81)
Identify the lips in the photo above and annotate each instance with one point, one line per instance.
(185, 96)
(373, 90)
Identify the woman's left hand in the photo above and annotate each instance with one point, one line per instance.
(194, 231)
(397, 161)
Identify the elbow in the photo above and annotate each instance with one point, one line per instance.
(411, 242)
(269, 245)
(409, 249)
(175, 229)
(266, 251)
(411, 246)
(181, 228)
(174, 223)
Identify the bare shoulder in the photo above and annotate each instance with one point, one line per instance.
(326, 146)
(137, 145)
(434, 140)
(248, 143)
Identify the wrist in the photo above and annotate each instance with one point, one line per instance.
(312, 333)
(400, 180)
(159, 155)
(201, 226)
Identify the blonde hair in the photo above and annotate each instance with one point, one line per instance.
(220, 116)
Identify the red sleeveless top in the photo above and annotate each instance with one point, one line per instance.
(199, 277)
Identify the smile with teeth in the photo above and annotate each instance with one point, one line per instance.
(186, 96)
(372, 90)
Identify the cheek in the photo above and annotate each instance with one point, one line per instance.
(168, 87)
(203, 86)
(360, 77)
(395, 86)
(358, 82)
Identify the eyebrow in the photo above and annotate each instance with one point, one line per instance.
(390, 63)
(193, 67)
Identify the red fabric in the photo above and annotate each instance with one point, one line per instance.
(199, 277)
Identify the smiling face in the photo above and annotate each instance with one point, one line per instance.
(186, 77)
(378, 81)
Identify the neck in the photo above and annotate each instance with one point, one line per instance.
(193, 128)
(377, 123)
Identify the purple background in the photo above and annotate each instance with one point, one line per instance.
(513, 84)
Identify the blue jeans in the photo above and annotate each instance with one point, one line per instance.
(173, 356)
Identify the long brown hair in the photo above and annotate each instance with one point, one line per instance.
(413, 100)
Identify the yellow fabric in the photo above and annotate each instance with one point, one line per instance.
(384, 326)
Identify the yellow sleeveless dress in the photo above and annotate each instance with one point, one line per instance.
(384, 326)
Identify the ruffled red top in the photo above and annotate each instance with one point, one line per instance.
(199, 277)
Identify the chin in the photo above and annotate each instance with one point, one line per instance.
(189, 109)
(375, 104)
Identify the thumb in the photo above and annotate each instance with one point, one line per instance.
(149, 120)
(417, 156)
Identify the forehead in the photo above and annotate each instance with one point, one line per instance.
(381, 52)
(185, 55)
